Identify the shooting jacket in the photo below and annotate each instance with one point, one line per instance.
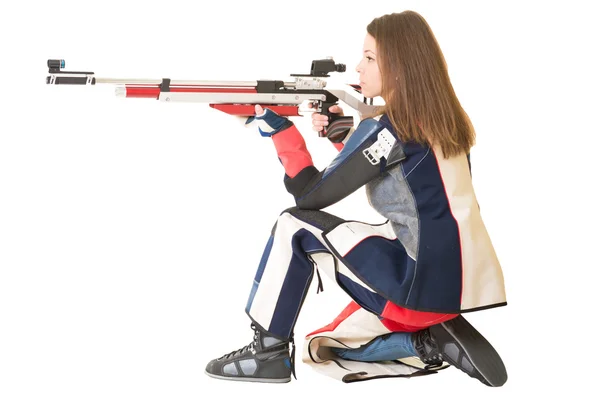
(448, 262)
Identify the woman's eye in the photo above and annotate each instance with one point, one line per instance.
(370, 58)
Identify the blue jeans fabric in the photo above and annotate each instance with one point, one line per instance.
(384, 348)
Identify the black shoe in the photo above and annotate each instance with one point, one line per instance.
(459, 344)
(266, 359)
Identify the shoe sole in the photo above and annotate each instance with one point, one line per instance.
(249, 379)
(461, 344)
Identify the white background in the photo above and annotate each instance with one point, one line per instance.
(130, 229)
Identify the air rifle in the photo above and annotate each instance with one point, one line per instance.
(239, 97)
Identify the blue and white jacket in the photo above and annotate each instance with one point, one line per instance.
(446, 262)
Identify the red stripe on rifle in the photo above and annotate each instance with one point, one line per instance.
(248, 109)
(154, 91)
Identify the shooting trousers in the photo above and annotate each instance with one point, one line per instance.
(301, 245)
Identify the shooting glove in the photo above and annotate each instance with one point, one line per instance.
(269, 123)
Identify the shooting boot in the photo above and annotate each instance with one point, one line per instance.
(459, 344)
(266, 359)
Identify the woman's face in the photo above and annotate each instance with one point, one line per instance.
(370, 77)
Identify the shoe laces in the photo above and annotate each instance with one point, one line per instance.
(249, 347)
(427, 349)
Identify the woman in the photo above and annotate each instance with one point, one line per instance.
(409, 279)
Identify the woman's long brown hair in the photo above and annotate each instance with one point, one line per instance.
(420, 100)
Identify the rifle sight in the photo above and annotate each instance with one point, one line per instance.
(55, 65)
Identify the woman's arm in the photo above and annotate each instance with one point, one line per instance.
(349, 170)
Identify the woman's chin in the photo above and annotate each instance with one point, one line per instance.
(368, 94)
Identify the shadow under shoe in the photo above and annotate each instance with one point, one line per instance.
(459, 344)
(266, 359)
